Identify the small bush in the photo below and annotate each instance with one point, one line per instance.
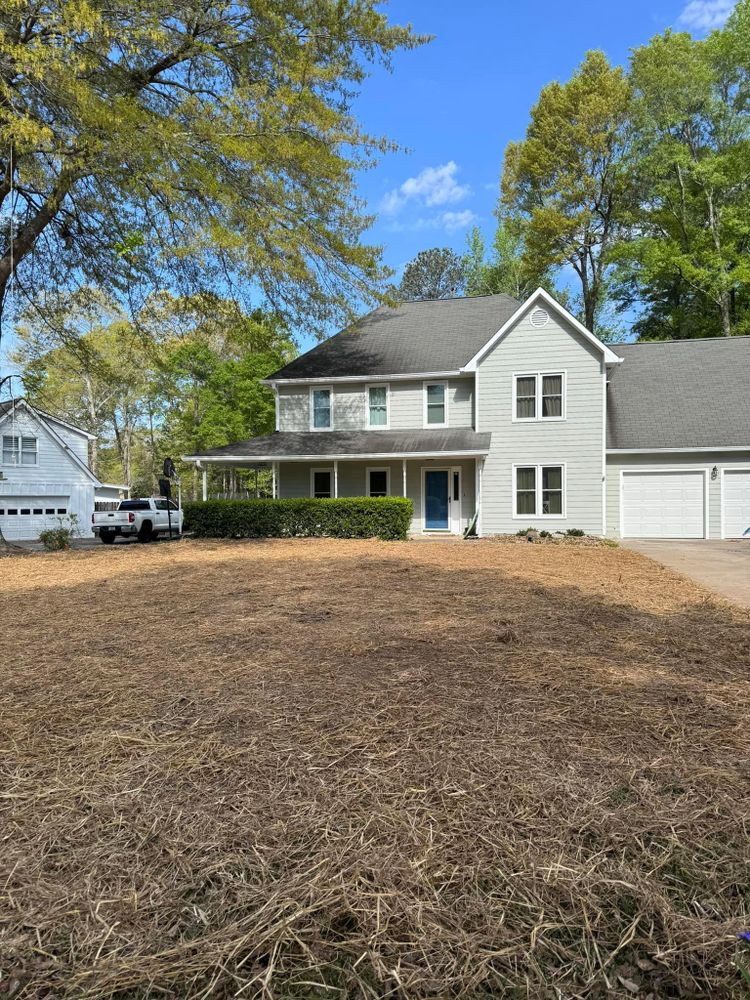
(575, 532)
(58, 539)
(388, 518)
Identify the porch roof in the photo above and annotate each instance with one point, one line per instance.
(300, 446)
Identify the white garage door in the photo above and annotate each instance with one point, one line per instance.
(663, 504)
(736, 502)
(23, 518)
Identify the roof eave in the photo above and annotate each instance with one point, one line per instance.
(342, 456)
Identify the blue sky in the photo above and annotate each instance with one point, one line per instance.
(456, 102)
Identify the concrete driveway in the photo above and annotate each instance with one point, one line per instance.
(723, 566)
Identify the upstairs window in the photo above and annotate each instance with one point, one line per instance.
(436, 414)
(377, 406)
(539, 396)
(321, 409)
(19, 450)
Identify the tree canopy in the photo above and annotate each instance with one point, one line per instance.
(433, 274)
(196, 145)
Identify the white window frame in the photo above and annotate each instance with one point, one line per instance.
(378, 427)
(329, 470)
(539, 377)
(19, 449)
(378, 468)
(538, 466)
(313, 390)
(425, 386)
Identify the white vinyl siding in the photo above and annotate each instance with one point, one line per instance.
(616, 463)
(575, 442)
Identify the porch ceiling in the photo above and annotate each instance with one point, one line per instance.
(300, 446)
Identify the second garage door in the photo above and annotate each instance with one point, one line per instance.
(736, 502)
(663, 504)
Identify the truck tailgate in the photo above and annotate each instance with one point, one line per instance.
(110, 518)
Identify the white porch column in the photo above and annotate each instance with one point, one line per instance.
(205, 482)
(275, 479)
(480, 467)
(335, 477)
(403, 475)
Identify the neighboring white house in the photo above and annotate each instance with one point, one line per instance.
(516, 415)
(44, 473)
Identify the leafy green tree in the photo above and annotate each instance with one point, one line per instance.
(433, 274)
(564, 182)
(179, 145)
(504, 269)
(686, 259)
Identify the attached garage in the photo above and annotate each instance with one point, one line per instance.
(735, 502)
(23, 518)
(663, 503)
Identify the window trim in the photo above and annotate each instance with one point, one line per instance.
(378, 468)
(538, 466)
(313, 390)
(378, 427)
(539, 377)
(19, 450)
(321, 468)
(425, 386)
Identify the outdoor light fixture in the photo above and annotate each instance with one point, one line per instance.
(714, 472)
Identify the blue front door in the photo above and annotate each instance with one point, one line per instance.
(436, 499)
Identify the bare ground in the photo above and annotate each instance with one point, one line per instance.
(314, 769)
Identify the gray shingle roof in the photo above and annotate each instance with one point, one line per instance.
(330, 444)
(432, 336)
(680, 394)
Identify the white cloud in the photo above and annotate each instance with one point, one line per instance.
(457, 220)
(449, 221)
(705, 15)
(432, 186)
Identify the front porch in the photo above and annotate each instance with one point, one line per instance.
(440, 471)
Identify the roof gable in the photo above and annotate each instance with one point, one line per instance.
(6, 411)
(543, 298)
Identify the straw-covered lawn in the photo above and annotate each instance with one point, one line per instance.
(315, 769)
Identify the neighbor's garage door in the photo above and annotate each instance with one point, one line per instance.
(24, 517)
(736, 502)
(663, 504)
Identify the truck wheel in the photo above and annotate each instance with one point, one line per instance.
(145, 532)
(107, 537)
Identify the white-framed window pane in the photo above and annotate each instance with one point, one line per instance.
(552, 489)
(378, 403)
(10, 449)
(526, 490)
(322, 485)
(435, 404)
(552, 395)
(378, 483)
(321, 408)
(526, 397)
(28, 451)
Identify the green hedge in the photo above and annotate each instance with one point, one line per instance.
(346, 517)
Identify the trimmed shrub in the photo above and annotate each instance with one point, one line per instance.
(346, 517)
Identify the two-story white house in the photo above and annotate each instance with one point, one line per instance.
(44, 474)
(512, 415)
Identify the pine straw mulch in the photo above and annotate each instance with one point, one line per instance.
(315, 769)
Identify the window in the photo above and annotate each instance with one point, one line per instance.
(377, 406)
(134, 505)
(539, 491)
(26, 510)
(37, 510)
(19, 450)
(539, 396)
(62, 510)
(321, 483)
(12, 510)
(49, 510)
(321, 415)
(435, 404)
(378, 484)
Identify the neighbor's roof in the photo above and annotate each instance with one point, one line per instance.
(351, 444)
(6, 405)
(440, 335)
(680, 394)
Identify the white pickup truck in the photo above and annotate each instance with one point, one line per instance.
(145, 519)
